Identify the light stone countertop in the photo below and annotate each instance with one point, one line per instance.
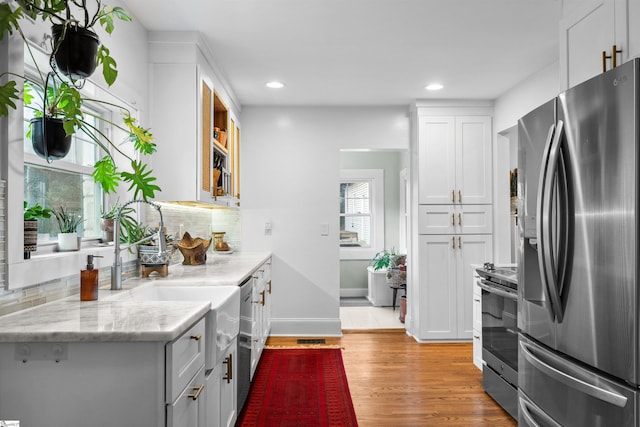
(98, 321)
(110, 319)
(219, 270)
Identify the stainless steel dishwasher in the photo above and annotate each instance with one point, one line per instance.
(244, 341)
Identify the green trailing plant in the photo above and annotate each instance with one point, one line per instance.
(68, 222)
(36, 211)
(63, 100)
(386, 259)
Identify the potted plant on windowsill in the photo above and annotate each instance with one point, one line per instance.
(68, 223)
(127, 222)
(31, 216)
(61, 100)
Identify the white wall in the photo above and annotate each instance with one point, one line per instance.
(508, 108)
(290, 177)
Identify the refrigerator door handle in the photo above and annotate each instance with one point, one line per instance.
(543, 199)
(526, 409)
(570, 381)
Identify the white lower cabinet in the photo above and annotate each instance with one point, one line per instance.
(189, 410)
(477, 322)
(261, 307)
(446, 311)
(128, 383)
(222, 389)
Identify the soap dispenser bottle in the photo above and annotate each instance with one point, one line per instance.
(89, 281)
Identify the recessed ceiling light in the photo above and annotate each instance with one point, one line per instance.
(275, 85)
(434, 86)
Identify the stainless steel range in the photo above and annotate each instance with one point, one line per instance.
(500, 335)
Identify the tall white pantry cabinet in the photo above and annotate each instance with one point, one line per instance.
(451, 204)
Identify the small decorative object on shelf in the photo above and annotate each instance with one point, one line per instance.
(193, 250)
(220, 245)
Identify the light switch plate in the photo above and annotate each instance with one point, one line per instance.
(324, 229)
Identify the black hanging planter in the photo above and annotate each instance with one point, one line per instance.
(76, 54)
(50, 141)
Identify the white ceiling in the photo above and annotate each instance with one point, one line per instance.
(365, 52)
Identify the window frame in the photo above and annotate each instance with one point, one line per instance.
(44, 265)
(375, 178)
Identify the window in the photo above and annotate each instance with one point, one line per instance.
(361, 213)
(65, 183)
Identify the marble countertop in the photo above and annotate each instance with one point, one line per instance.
(74, 320)
(109, 319)
(219, 270)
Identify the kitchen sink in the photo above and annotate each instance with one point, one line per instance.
(222, 323)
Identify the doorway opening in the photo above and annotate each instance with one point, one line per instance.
(373, 217)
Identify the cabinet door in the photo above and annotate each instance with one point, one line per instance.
(189, 409)
(437, 270)
(205, 136)
(474, 219)
(436, 219)
(471, 249)
(477, 322)
(473, 160)
(587, 31)
(228, 387)
(436, 160)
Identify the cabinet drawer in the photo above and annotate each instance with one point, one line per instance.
(185, 356)
(455, 219)
(189, 409)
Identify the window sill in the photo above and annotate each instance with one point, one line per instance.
(56, 265)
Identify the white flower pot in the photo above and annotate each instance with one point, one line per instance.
(67, 242)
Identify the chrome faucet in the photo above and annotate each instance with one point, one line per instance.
(116, 268)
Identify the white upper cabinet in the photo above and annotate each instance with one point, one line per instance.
(454, 155)
(194, 124)
(591, 27)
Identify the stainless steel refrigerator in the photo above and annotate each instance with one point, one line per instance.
(578, 290)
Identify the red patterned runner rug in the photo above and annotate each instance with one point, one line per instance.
(299, 387)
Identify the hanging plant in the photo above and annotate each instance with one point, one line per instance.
(76, 48)
(63, 101)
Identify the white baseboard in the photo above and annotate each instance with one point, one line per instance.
(353, 292)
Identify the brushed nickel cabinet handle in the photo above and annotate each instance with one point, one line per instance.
(459, 242)
(459, 196)
(196, 337)
(453, 220)
(453, 196)
(269, 283)
(460, 219)
(453, 242)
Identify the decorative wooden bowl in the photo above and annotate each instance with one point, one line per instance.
(193, 250)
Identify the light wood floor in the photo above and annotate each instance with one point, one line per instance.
(394, 381)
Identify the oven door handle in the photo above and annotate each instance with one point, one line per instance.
(484, 285)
